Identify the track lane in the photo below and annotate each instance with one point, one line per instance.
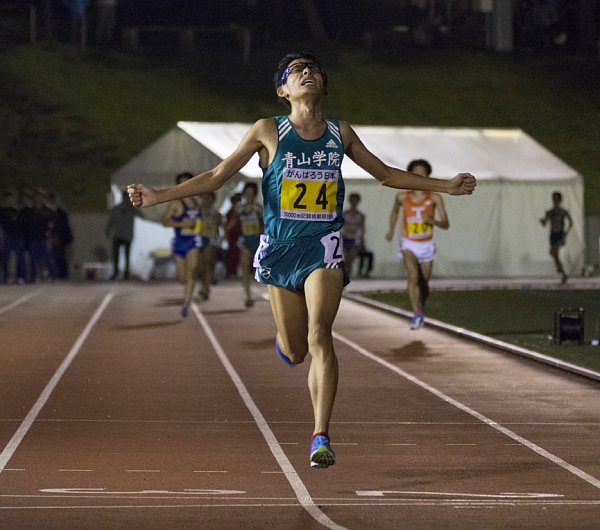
(146, 416)
(453, 452)
(412, 456)
(36, 337)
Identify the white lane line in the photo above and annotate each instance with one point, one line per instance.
(536, 448)
(75, 470)
(17, 438)
(290, 473)
(17, 302)
(142, 471)
(401, 502)
(382, 493)
(210, 471)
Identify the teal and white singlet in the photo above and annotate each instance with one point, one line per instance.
(303, 194)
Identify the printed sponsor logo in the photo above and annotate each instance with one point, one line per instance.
(265, 272)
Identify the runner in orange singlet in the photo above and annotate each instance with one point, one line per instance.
(416, 245)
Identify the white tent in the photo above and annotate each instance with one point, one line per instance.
(496, 232)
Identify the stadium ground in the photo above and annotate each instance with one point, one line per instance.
(116, 413)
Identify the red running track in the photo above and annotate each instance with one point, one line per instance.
(116, 413)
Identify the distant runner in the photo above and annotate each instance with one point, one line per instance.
(416, 245)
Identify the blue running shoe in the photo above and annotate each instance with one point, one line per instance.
(283, 356)
(416, 322)
(185, 311)
(321, 454)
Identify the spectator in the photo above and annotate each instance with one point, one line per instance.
(353, 231)
(60, 237)
(37, 220)
(14, 240)
(119, 229)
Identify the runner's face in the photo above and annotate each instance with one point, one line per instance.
(420, 170)
(302, 75)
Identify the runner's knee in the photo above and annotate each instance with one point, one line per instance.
(319, 337)
(295, 351)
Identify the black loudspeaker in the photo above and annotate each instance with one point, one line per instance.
(568, 325)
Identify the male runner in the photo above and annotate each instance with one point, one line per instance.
(184, 216)
(300, 257)
(558, 233)
(416, 245)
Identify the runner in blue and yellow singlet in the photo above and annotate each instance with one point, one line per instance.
(184, 216)
(300, 257)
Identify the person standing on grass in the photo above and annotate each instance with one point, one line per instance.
(184, 216)
(353, 231)
(300, 256)
(558, 217)
(417, 248)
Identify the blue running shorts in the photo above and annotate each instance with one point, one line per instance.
(288, 263)
(182, 245)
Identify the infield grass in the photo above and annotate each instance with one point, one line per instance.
(518, 316)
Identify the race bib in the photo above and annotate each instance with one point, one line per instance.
(334, 250)
(193, 230)
(251, 229)
(419, 229)
(309, 194)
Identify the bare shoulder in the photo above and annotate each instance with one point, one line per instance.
(264, 131)
(437, 198)
(346, 131)
(265, 127)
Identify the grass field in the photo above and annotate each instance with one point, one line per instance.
(70, 120)
(521, 317)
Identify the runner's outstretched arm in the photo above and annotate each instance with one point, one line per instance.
(461, 184)
(142, 196)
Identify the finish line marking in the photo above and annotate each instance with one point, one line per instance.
(451, 401)
(290, 473)
(17, 438)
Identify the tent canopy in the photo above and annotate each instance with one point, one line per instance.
(494, 232)
(490, 154)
